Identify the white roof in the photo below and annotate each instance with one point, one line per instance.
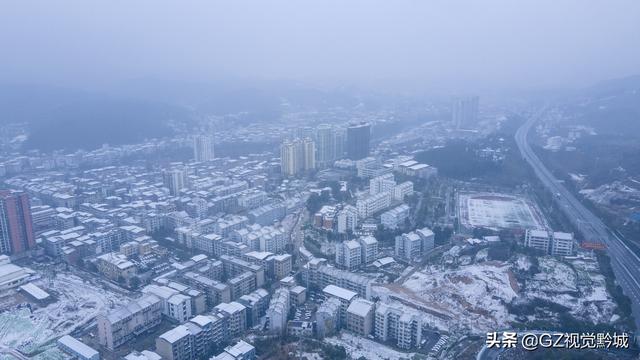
(78, 347)
(240, 348)
(539, 233)
(426, 232)
(383, 261)
(34, 291)
(201, 320)
(199, 257)
(162, 292)
(339, 292)
(563, 236)
(231, 307)
(143, 355)
(352, 244)
(360, 307)
(369, 240)
(418, 166)
(175, 334)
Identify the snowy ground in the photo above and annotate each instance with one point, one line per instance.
(475, 298)
(472, 297)
(357, 347)
(77, 304)
(579, 287)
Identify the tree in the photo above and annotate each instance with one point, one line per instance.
(134, 282)
(314, 203)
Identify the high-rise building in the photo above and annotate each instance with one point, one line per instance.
(358, 139)
(465, 112)
(340, 142)
(16, 224)
(297, 156)
(326, 142)
(308, 154)
(175, 180)
(203, 148)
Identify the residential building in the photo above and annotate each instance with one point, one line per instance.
(394, 218)
(562, 244)
(278, 311)
(382, 183)
(236, 316)
(538, 239)
(408, 246)
(240, 351)
(399, 324)
(358, 139)
(360, 317)
(203, 148)
(175, 180)
(126, 322)
(77, 349)
(347, 219)
(16, 224)
(402, 190)
(465, 112)
(116, 266)
(297, 156)
(428, 238)
(370, 204)
(320, 275)
(328, 317)
(177, 344)
(326, 145)
(345, 296)
(369, 248)
(282, 265)
(349, 254)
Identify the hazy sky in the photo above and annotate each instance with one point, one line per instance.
(436, 44)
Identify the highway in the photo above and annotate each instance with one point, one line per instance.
(625, 263)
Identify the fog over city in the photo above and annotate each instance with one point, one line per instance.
(319, 180)
(436, 45)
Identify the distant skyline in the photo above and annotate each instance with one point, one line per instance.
(448, 46)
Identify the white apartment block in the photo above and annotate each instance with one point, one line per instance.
(538, 239)
(177, 344)
(370, 204)
(369, 249)
(174, 305)
(396, 323)
(122, 324)
(345, 296)
(322, 275)
(408, 246)
(383, 183)
(282, 265)
(328, 317)
(360, 317)
(347, 219)
(428, 238)
(402, 190)
(236, 317)
(562, 244)
(392, 219)
(349, 254)
(278, 310)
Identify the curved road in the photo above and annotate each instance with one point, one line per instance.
(625, 263)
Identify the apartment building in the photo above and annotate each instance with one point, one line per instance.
(278, 311)
(120, 325)
(360, 317)
(349, 254)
